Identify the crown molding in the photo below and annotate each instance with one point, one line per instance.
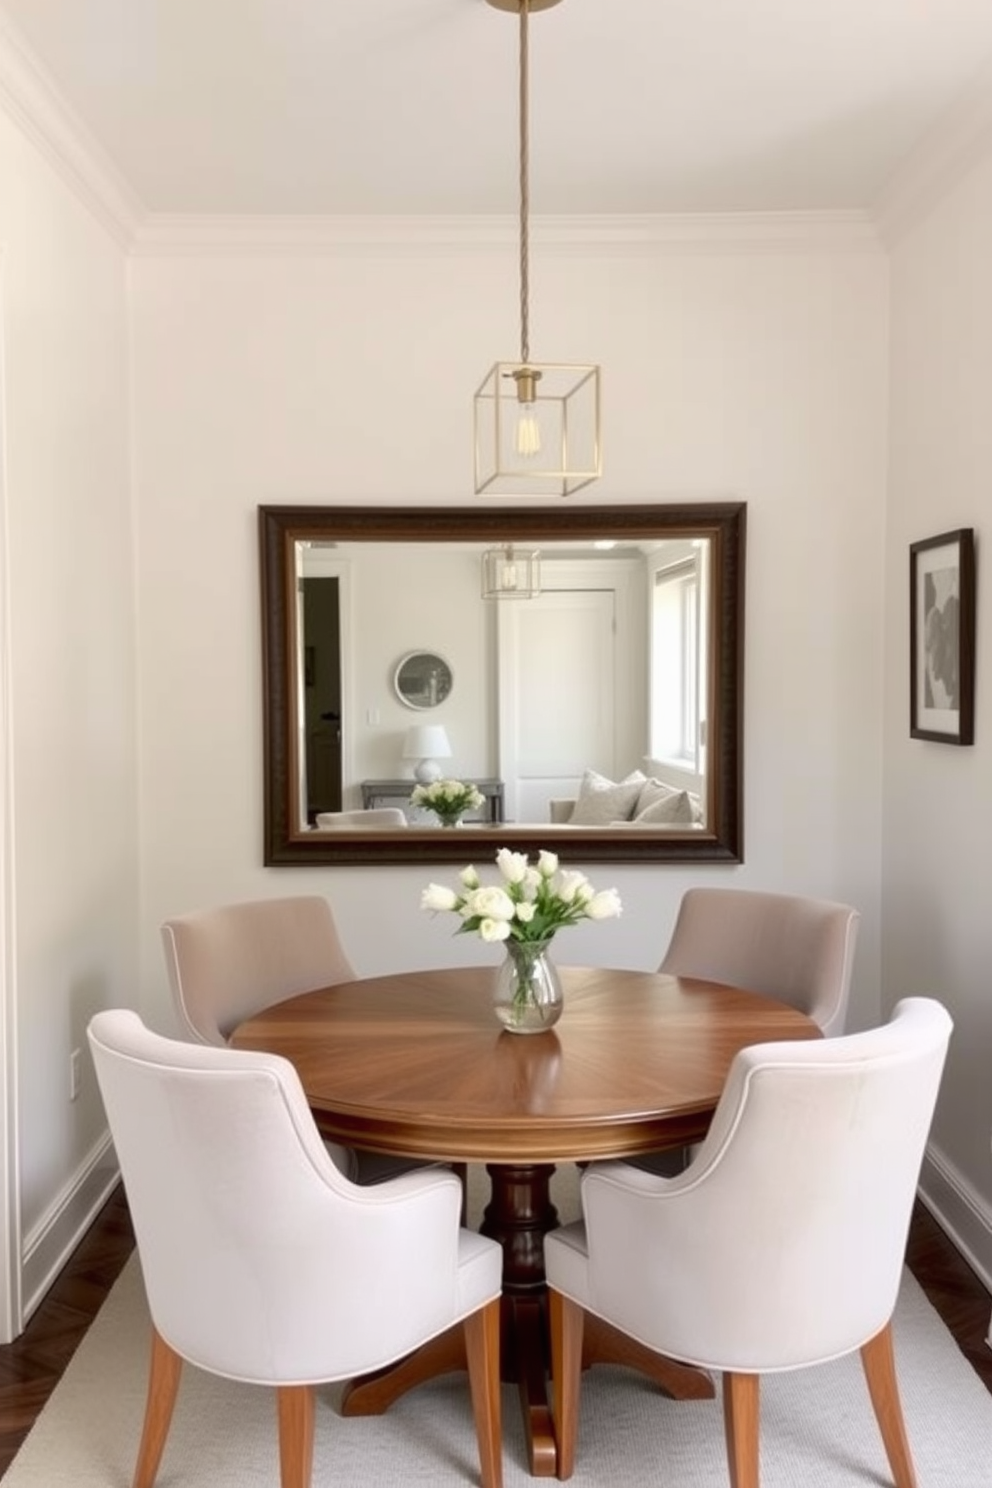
(31, 99)
(961, 139)
(29, 95)
(754, 232)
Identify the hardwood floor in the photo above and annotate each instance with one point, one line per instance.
(31, 1366)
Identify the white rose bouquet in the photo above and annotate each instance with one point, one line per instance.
(524, 912)
(532, 903)
(448, 799)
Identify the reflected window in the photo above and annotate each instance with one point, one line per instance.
(678, 682)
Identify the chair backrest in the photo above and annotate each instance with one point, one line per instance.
(376, 817)
(786, 1235)
(260, 1259)
(797, 949)
(227, 963)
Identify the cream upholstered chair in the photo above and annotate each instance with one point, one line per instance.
(227, 963)
(376, 817)
(262, 1262)
(781, 1245)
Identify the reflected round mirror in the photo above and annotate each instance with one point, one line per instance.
(422, 679)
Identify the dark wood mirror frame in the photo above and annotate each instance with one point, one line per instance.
(281, 527)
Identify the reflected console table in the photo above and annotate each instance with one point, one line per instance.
(393, 792)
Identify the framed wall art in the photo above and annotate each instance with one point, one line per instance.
(942, 638)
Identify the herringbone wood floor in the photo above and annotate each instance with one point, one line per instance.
(31, 1366)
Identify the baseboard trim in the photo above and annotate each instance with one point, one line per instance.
(961, 1212)
(56, 1235)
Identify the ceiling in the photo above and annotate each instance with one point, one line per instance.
(401, 107)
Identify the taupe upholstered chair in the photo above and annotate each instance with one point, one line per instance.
(227, 963)
(780, 1246)
(788, 946)
(262, 1262)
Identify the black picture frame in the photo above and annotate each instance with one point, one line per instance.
(942, 638)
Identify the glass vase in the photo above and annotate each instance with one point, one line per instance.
(528, 994)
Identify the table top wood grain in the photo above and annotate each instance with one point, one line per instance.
(416, 1063)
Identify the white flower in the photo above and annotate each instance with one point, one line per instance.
(513, 866)
(448, 799)
(490, 903)
(568, 885)
(531, 903)
(491, 930)
(437, 897)
(604, 906)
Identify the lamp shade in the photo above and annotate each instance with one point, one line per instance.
(427, 743)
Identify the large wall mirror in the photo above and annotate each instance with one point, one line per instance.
(598, 706)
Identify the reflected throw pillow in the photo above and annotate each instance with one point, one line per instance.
(672, 808)
(602, 801)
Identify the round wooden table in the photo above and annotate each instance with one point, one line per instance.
(416, 1064)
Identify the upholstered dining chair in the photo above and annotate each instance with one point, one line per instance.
(262, 1262)
(228, 962)
(780, 1246)
(372, 817)
(797, 949)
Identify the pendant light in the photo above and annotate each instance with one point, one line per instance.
(510, 573)
(536, 423)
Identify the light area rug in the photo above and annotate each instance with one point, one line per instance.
(817, 1429)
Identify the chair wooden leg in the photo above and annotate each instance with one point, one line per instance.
(165, 1368)
(295, 1435)
(567, 1321)
(741, 1396)
(482, 1352)
(879, 1364)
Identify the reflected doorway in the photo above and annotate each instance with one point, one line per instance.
(322, 704)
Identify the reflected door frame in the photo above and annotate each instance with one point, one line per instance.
(332, 566)
(608, 665)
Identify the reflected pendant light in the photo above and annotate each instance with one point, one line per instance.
(536, 423)
(509, 573)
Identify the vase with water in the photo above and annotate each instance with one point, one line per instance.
(528, 994)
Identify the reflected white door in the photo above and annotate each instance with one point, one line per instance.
(557, 695)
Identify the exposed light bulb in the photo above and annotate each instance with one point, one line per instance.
(527, 442)
(527, 436)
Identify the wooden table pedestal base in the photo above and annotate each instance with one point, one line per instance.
(520, 1213)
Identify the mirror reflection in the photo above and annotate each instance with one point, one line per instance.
(423, 679)
(601, 708)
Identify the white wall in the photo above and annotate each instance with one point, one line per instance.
(395, 610)
(938, 797)
(70, 846)
(752, 373)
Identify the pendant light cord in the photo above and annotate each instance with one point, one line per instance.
(524, 188)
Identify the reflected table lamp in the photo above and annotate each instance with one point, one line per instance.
(427, 743)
